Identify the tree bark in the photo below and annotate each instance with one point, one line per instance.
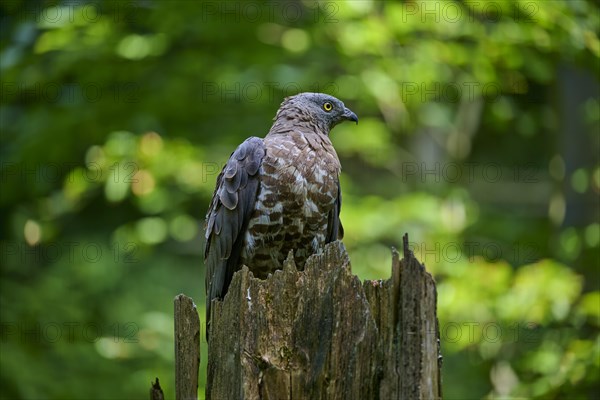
(322, 334)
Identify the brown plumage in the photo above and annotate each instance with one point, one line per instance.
(277, 194)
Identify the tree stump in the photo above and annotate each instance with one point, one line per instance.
(322, 334)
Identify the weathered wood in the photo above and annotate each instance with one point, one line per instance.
(187, 348)
(420, 344)
(156, 392)
(322, 334)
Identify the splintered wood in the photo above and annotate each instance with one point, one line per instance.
(321, 333)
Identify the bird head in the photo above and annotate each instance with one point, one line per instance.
(321, 109)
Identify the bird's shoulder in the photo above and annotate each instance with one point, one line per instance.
(244, 161)
(236, 185)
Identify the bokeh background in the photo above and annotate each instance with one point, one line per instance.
(478, 135)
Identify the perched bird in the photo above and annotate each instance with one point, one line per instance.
(277, 194)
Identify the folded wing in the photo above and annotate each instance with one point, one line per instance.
(227, 219)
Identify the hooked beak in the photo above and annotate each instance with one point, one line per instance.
(349, 115)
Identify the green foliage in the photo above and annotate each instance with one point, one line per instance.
(478, 136)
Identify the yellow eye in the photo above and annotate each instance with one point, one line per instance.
(327, 106)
